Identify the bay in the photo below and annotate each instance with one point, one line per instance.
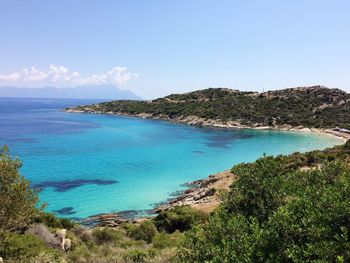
(87, 164)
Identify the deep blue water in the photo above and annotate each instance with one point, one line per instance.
(88, 164)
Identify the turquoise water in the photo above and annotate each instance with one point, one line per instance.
(90, 164)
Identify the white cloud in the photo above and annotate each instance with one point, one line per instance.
(62, 76)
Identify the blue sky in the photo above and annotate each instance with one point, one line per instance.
(159, 47)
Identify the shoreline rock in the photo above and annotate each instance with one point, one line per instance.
(115, 219)
(202, 194)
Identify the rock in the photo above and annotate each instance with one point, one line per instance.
(192, 184)
(78, 230)
(201, 192)
(42, 232)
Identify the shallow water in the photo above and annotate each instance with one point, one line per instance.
(87, 164)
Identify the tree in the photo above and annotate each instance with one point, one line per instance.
(278, 213)
(17, 199)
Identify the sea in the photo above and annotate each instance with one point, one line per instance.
(87, 164)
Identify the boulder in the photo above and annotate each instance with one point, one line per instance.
(42, 232)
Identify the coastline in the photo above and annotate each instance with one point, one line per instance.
(202, 194)
(217, 123)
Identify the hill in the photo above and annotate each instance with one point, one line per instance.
(80, 92)
(316, 106)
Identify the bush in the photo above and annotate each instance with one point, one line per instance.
(136, 255)
(259, 191)
(179, 218)
(278, 215)
(316, 225)
(145, 231)
(106, 235)
(225, 238)
(86, 236)
(18, 200)
(51, 220)
(21, 246)
(164, 240)
(80, 254)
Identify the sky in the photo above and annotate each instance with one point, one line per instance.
(156, 47)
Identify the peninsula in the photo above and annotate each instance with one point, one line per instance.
(314, 108)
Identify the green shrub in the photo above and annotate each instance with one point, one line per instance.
(145, 231)
(51, 220)
(136, 255)
(316, 225)
(18, 199)
(164, 240)
(278, 215)
(80, 254)
(259, 191)
(179, 218)
(21, 246)
(86, 237)
(225, 238)
(131, 243)
(106, 235)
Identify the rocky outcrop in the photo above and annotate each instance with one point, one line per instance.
(203, 194)
(113, 219)
(42, 232)
(57, 240)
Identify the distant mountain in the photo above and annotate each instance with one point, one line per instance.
(315, 106)
(80, 92)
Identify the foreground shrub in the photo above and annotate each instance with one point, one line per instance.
(259, 190)
(179, 218)
(164, 240)
(106, 235)
(278, 215)
(51, 220)
(137, 256)
(80, 254)
(22, 246)
(225, 238)
(315, 226)
(145, 231)
(18, 200)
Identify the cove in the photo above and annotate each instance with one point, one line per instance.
(87, 164)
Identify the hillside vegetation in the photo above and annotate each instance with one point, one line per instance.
(293, 208)
(315, 106)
